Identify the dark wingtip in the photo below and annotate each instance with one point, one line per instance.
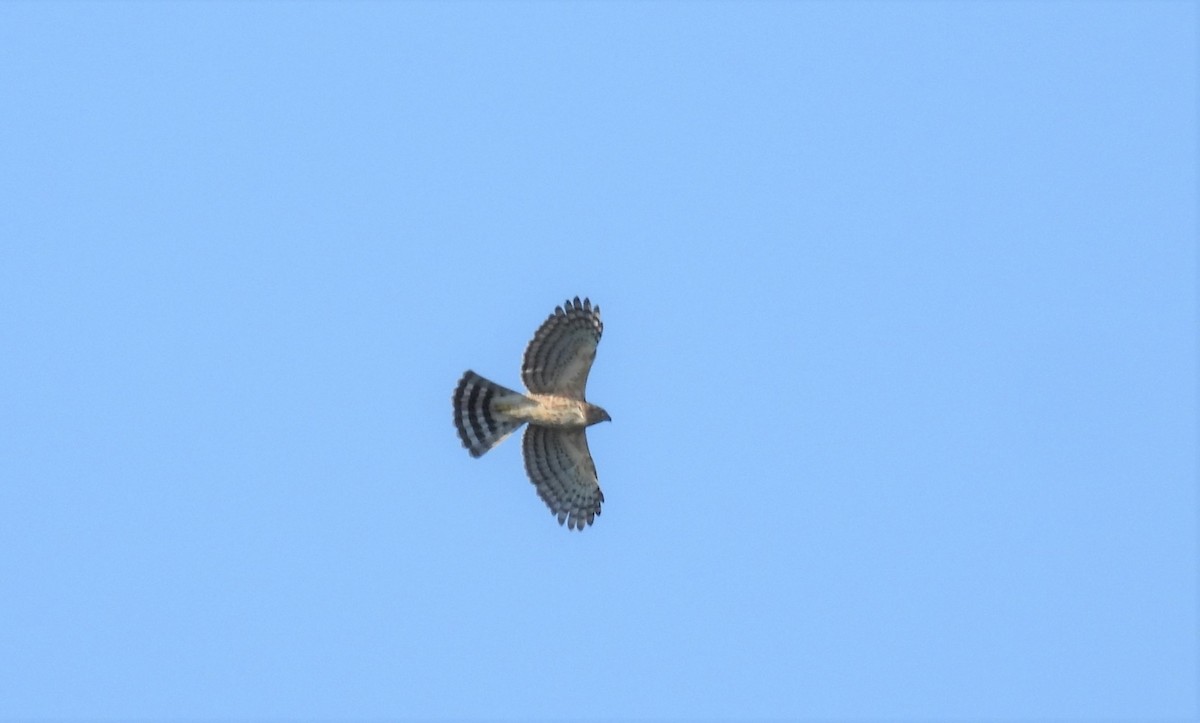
(577, 304)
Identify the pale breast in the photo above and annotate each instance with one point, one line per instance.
(554, 411)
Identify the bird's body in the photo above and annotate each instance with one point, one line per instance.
(555, 370)
(552, 410)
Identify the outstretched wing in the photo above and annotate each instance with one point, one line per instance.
(560, 466)
(560, 356)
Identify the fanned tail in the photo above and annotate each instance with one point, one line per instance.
(481, 425)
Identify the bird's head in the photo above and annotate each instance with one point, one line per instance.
(596, 414)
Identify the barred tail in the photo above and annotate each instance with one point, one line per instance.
(481, 425)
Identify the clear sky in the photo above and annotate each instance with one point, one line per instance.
(900, 349)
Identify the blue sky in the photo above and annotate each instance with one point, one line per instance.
(900, 348)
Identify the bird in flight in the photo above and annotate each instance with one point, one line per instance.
(555, 370)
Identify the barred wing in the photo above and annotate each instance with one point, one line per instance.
(560, 466)
(560, 356)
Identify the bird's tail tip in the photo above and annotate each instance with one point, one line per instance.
(480, 425)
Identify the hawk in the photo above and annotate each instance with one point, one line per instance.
(555, 371)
